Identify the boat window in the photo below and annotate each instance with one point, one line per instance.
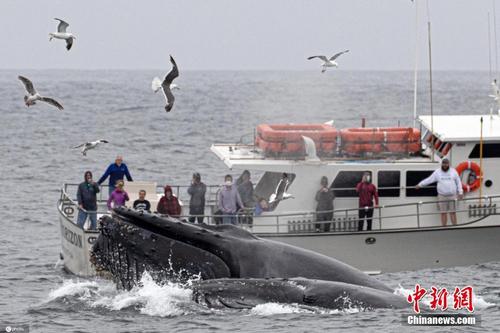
(273, 187)
(415, 177)
(389, 183)
(344, 185)
(490, 150)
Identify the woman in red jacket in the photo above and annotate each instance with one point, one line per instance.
(169, 204)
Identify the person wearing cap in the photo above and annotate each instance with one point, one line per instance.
(367, 194)
(86, 196)
(197, 191)
(169, 204)
(228, 201)
(324, 208)
(449, 188)
(115, 172)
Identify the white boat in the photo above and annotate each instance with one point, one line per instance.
(407, 233)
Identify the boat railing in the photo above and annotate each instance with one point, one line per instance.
(470, 210)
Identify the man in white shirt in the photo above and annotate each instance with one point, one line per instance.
(449, 186)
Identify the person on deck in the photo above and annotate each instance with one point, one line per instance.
(118, 197)
(197, 192)
(228, 201)
(449, 187)
(367, 193)
(169, 204)
(115, 172)
(87, 201)
(142, 203)
(324, 208)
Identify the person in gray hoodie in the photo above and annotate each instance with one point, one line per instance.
(197, 192)
(229, 201)
(87, 201)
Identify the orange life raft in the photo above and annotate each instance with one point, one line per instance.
(379, 140)
(286, 139)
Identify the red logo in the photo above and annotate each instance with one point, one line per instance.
(462, 298)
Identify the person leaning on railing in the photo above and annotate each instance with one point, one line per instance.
(449, 186)
(87, 201)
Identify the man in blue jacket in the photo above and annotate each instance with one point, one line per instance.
(116, 171)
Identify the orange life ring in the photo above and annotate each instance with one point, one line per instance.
(468, 165)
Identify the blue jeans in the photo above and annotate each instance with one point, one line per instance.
(229, 218)
(82, 216)
(111, 188)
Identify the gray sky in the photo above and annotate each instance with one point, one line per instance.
(244, 34)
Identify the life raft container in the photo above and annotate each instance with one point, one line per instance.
(378, 140)
(286, 139)
(473, 167)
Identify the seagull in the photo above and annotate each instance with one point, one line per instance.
(34, 96)
(89, 145)
(280, 191)
(62, 34)
(496, 92)
(328, 62)
(166, 85)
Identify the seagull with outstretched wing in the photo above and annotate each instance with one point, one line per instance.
(166, 85)
(89, 145)
(33, 96)
(328, 62)
(62, 34)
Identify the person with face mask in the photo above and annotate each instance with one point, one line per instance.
(229, 201)
(87, 201)
(367, 193)
(324, 208)
(449, 187)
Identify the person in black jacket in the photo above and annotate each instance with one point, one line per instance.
(324, 209)
(197, 192)
(87, 201)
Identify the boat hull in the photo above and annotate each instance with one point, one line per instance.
(400, 250)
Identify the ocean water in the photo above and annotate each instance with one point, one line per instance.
(221, 106)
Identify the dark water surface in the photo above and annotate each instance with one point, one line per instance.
(119, 106)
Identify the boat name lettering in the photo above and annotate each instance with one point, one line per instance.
(72, 237)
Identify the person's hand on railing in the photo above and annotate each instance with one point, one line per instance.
(460, 196)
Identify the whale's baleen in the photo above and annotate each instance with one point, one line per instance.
(131, 242)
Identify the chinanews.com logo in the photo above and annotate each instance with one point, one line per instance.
(11, 328)
(454, 308)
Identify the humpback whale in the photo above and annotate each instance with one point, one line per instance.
(247, 293)
(132, 242)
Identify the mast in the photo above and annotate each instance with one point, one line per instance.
(416, 66)
(430, 76)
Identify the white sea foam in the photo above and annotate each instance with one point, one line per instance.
(269, 309)
(150, 298)
(147, 297)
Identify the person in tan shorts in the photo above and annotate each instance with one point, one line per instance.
(449, 188)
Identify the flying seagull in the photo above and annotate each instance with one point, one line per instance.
(166, 85)
(328, 62)
(34, 96)
(89, 145)
(62, 34)
(280, 191)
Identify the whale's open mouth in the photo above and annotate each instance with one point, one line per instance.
(132, 242)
